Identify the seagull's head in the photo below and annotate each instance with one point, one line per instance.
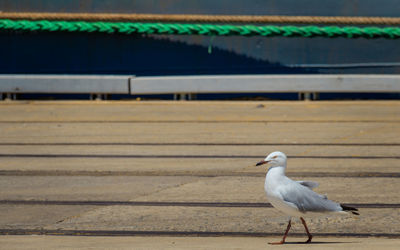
(275, 159)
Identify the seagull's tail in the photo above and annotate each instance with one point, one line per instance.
(349, 209)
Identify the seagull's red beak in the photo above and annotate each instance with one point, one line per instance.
(261, 163)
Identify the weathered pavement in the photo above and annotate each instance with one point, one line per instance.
(82, 242)
(187, 168)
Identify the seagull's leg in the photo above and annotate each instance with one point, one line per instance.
(308, 232)
(284, 236)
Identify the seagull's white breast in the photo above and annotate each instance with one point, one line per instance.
(273, 181)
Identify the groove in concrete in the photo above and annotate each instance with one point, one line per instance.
(174, 204)
(201, 121)
(188, 156)
(191, 144)
(179, 233)
(193, 174)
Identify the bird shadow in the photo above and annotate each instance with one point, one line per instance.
(316, 242)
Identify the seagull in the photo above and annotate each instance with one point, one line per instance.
(295, 198)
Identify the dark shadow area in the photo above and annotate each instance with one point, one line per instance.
(223, 97)
(359, 96)
(80, 53)
(317, 242)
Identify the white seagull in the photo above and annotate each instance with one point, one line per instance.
(295, 198)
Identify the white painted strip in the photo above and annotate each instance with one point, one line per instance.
(198, 84)
(265, 84)
(64, 84)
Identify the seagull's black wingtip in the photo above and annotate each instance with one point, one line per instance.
(350, 209)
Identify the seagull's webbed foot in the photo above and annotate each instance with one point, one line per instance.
(307, 231)
(309, 239)
(277, 243)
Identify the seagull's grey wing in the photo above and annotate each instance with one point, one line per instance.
(309, 184)
(307, 200)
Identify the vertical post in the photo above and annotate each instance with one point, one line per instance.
(10, 96)
(98, 97)
(192, 96)
(184, 97)
(307, 96)
(299, 96)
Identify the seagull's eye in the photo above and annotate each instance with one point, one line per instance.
(274, 157)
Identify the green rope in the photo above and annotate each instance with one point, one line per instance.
(200, 29)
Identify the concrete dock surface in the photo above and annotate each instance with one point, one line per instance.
(82, 242)
(181, 175)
